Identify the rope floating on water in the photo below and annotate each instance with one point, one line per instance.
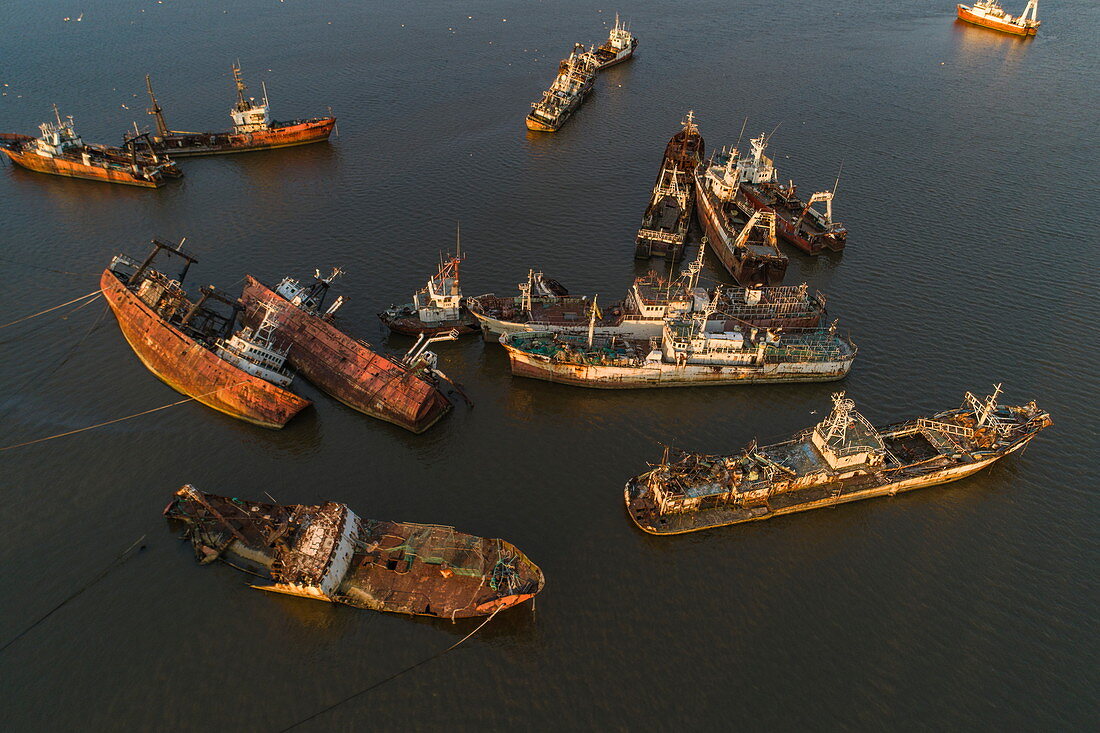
(393, 676)
(95, 293)
(114, 564)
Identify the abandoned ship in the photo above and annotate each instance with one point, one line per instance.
(438, 307)
(843, 458)
(667, 217)
(327, 553)
(570, 88)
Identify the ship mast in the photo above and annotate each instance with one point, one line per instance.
(242, 103)
(162, 127)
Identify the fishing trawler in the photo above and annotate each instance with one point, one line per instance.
(193, 348)
(60, 151)
(797, 222)
(326, 552)
(253, 128)
(438, 307)
(843, 458)
(686, 355)
(990, 14)
(618, 47)
(649, 302)
(668, 216)
(403, 391)
(571, 87)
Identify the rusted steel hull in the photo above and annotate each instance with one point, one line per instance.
(536, 124)
(787, 231)
(222, 143)
(398, 567)
(346, 368)
(746, 269)
(965, 14)
(188, 367)
(76, 169)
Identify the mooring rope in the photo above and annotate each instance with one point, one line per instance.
(103, 573)
(116, 420)
(94, 293)
(393, 676)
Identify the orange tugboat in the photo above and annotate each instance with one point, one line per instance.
(327, 553)
(403, 391)
(990, 14)
(192, 348)
(253, 128)
(61, 152)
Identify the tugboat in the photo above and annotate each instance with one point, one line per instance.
(193, 348)
(571, 87)
(61, 152)
(438, 307)
(327, 553)
(668, 216)
(253, 128)
(798, 223)
(403, 391)
(990, 14)
(618, 47)
(648, 303)
(844, 458)
(687, 355)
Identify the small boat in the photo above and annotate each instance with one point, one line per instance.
(618, 47)
(843, 458)
(193, 348)
(686, 355)
(570, 88)
(60, 151)
(668, 216)
(326, 552)
(649, 302)
(436, 308)
(253, 128)
(403, 391)
(990, 14)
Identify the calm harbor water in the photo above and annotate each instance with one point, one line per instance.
(970, 176)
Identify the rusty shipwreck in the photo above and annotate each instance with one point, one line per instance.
(667, 218)
(326, 552)
(193, 347)
(405, 392)
(60, 151)
(436, 308)
(253, 128)
(843, 458)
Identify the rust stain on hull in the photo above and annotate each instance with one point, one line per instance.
(223, 143)
(191, 369)
(346, 368)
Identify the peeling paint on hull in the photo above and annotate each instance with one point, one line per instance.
(191, 369)
(221, 143)
(346, 368)
(73, 169)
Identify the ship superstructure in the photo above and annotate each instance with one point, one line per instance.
(843, 458)
(990, 14)
(253, 128)
(438, 307)
(618, 47)
(327, 552)
(570, 88)
(60, 151)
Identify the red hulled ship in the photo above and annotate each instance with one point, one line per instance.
(618, 47)
(990, 14)
(668, 216)
(253, 128)
(404, 392)
(61, 152)
(192, 348)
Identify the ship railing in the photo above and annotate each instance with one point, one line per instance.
(945, 427)
(670, 237)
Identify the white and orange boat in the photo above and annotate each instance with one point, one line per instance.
(990, 14)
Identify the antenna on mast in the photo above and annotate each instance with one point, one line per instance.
(263, 85)
(838, 177)
(740, 134)
(242, 105)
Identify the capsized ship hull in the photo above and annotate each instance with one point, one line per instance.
(188, 367)
(346, 368)
(326, 552)
(220, 143)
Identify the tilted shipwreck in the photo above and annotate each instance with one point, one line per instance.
(194, 348)
(326, 552)
(405, 392)
(253, 128)
(844, 458)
